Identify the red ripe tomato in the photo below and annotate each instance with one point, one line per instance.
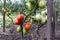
(27, 26)
(17, 22)
(20, 17)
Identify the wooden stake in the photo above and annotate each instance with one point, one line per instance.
(50, 23)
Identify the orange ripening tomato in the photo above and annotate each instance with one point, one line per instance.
(17, 22)
(27, 26)
(4, 10)
(20, 17)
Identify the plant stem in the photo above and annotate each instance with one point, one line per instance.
(22, 29)
(3, 16)
(38, 28)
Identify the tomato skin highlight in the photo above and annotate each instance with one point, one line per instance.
(20, 17)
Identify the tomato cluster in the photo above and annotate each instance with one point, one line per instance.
(26, 28)
(19, 19)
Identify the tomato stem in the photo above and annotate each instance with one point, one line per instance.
(4, 17)
(22, 29)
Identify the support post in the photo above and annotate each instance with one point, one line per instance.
(50, 24)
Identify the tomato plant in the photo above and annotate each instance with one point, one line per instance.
(31, 11)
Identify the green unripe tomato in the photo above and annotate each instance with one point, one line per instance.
(38, 17)
(43, 13)
(30, 6)
(43, 20)
(33, 19)
(42, 4)
(25, 32)
(18, 29)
